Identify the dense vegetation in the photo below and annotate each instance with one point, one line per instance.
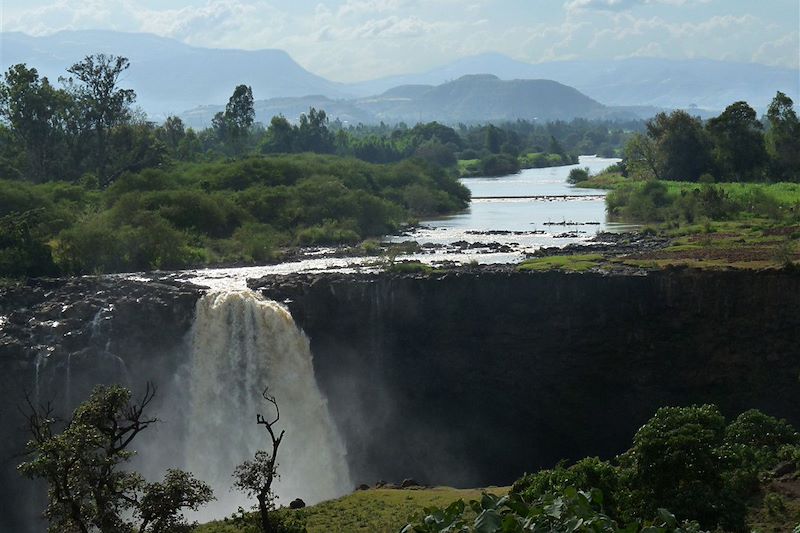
(734, 146)
(225, 211)
(87, 186)
(688, 470)
(685, 459)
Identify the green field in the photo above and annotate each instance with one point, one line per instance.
(370, 511)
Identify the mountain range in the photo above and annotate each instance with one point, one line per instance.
(171, 77)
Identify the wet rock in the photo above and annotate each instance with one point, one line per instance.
(408, 482)
(363, 486)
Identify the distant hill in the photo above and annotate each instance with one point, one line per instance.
(469, 99)
(346, 111)
(482, 98)
(170, 77)
(167, 75)
(664, 83)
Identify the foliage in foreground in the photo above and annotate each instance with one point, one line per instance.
(565, 511)
(685, 459)
(83, 464)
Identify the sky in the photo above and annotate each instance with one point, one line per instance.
(354, 40)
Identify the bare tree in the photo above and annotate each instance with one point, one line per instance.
(255, 477)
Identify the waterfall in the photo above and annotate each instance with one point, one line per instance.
(242, 343)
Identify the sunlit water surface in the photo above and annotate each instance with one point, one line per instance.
(524, 212)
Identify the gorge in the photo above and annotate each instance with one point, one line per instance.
(465, 377)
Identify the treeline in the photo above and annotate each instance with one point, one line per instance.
(734, 146)
(87, 131)
(87, 185)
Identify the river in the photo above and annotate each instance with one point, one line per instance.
(509, 217)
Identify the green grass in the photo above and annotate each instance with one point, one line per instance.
(572, 263)
(606, 180)
(370, 511)
(469, 167)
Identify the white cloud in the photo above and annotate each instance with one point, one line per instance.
(357, 39)
(782, 52)
(618, 5)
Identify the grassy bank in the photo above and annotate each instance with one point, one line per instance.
(369, 511)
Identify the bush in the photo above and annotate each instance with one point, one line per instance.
(675, 463)
(586, 474)
(499, 165)
(577, 175)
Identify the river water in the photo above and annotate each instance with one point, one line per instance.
(508, 217)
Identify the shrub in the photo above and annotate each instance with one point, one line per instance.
(675, 463)
(577, 175)
(499, 165)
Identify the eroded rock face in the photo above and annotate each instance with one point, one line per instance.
(473, 378)
(465, 378)
(59, 338)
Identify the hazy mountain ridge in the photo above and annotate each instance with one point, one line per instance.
(171, 77)
(469, 99)
(666, 83)
(168, 76)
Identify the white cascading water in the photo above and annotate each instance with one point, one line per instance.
(242, 343)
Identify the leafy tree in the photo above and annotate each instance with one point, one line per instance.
(36, 113)
(683, 145)
(739, 146)
(171, 133)
(255, 477)
(21, 252)
(784, 138)
(493, 139)
(88, 488)
(280, 136)
(239, 111)
(232, 127)
(675, 462)
(313, 134)
(102, 101)
(642, 158)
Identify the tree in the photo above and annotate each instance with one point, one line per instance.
(683, 145)
(642, 158)
(36, 113)
(255, 477)
(171, 133)
(676, 463)
(313, 134)
(232, 127)
(88, 488)
(784, 138)
(738, 142)
(240, 112)
(22, 252)
(104, 103)
(280, 136)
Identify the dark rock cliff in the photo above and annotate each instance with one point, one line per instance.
(58, 339)
(466, 378)
(473, 378)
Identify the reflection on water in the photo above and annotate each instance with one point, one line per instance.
(511, 215)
